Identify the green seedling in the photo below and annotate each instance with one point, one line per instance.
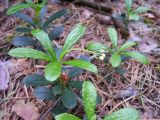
(53, 69)
(89, 101)
(38, 21)
(55, 82)
(117, 52)
(59, 89)
(134, 14)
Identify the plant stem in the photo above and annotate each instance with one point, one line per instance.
(82, 50)
(74, 49)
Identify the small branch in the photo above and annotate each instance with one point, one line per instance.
(7, 3)
(94, 5)
(44, 114)
(157, 14)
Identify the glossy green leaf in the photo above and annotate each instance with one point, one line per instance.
(24, 17)
(43, 2)
(45, 41)
(98, 100)
(113, 36)
(22, 41)
(54, 16)
(124, 58)
(66, 116)
(120, 70)
(127, 45)
(73, 37)
(23, 29)
(43, 13)
(56, 32)
(53, 71)
(141, 10)
(16, 8)
(76, 71)
(76, 84)
(82, 64)
(139, 57)
(29, 1)
(95, 46)
(115, 60)
(128, 4)
(69, 99)
(57, 89)
(58, 109)
(35, 80)
(89, 95)
(43, 93)
(124, 114)
(134, 16)
(58, 51)
(28, 53)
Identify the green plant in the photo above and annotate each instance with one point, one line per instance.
(56, 82)
(53, 69)
(89, 100)
(134, 14)
(116, 52)
(38, 21)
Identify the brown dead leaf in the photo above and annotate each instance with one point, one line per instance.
(104, 19)
(14, 65)
(149, 15)
(4, 76)
(27, 111)
(86, 13)
(147, 45)
(128, 92)
(1, 114)
(141, 28)
(148, 114)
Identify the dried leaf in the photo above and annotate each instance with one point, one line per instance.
(4, 76)
(86, 13)
(14, 65)
(27, 111)
(2, 113)
(130, 91)
(147, 45)
(148, 114)
(149, 15)
(103, 19)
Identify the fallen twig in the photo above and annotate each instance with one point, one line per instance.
(44, 114)
(157, 14)
(94, 5)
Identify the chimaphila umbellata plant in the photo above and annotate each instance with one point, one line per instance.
(134, 14)
(38, 21)
(123, 20)
(55, 62)
(55, 83)
(116, 51)
(89, 96)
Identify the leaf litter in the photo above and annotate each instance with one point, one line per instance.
(28, 111)
(140, 77)
(128, 92)
(4, 76)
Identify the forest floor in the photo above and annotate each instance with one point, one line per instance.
(141, 82)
